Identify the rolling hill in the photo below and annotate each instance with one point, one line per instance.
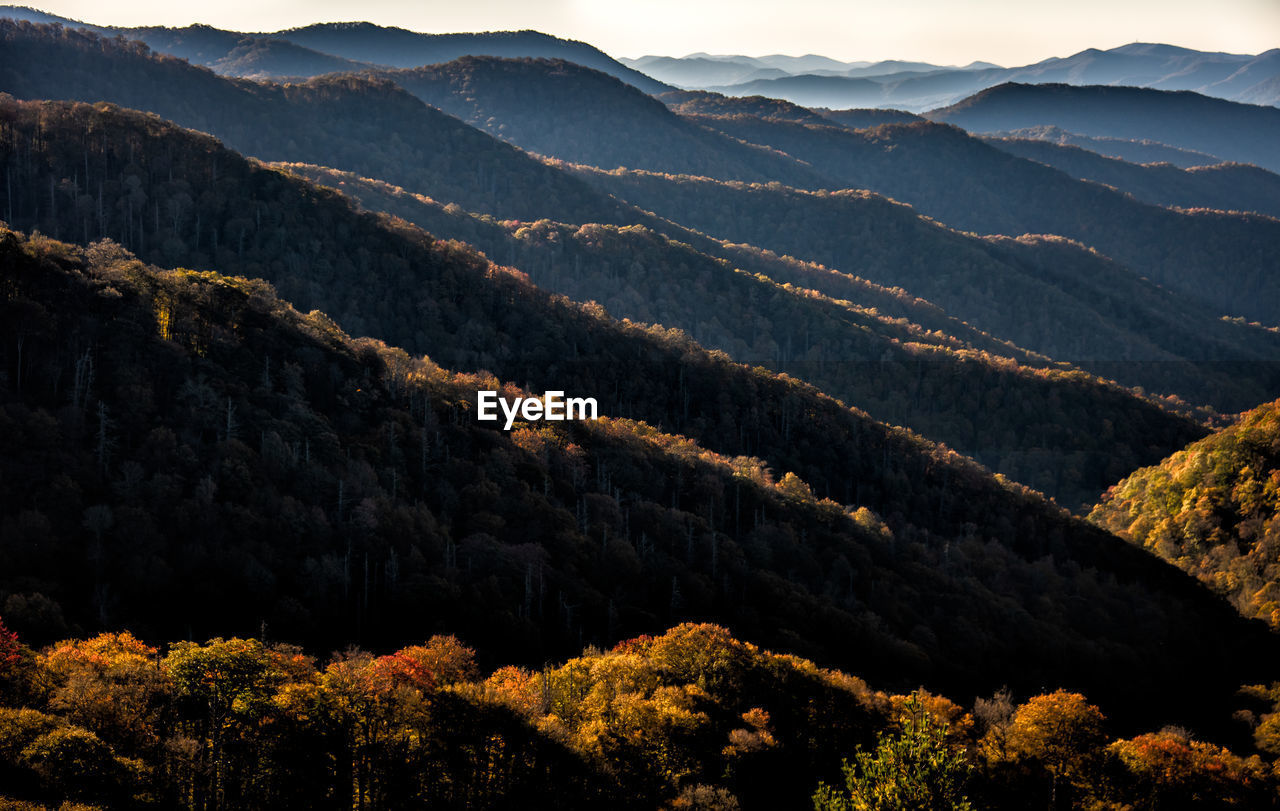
(970, 185)
(1133, 151)
(920, 86)
(1072, 429)
(985, 282)
(1213, 510)
(563, 110)
(196, 347)
(327, 47)
(245, 328)
(344, 121)
(1223, 186)
(1245, 133)
(246, 115)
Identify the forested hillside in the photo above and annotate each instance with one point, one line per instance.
(935, 596)
(360, 124)
(566, 111)
(1222, 186)
(1246, 133)
(701, 102)
(1050, 295)
(1221, 260)
(1073, 431)
(859, 377)
(1133, 151)
(1213, 510)
(321, 48)
(389, 136)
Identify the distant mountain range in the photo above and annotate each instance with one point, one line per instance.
(702, 70)
(917, 86)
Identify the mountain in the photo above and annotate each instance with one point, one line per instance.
(998, 576)
(1138, 64)
(703, 70)
(336, 121)
(398, 48)
(809, 90)
(920, 86)
(1253, 82)
(703, 102)
(1072, 428)
(496, 178)
(1225, 186)
(185, 454)
(1078, 482)
(863, 118)
(1213, 510)
(285, 480)
(1244, 133)
(694, 71)
(1133, 151)
(956, 178)
(257, 58)
(985, 282)
(802, 64)
(890, 67)
(328, 47)
(564, 110)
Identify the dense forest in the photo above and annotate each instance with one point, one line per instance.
(860, 377)
(387, 135)
(342, 491)
(688, 719)
(970, 185)
(1213, 510)
(1073, 432)
(1050, 295)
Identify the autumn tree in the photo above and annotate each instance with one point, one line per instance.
(1063, 733)
(915, 769)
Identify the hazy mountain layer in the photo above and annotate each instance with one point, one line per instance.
(1245, 133)
(1133, 151)
(1132, 333)
(326, 47)
(921, 86)
(563, 110)
(1225, 186)
(969, 185)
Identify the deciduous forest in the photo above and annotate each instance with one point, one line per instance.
(936, 468)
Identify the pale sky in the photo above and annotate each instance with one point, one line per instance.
(1008, 32)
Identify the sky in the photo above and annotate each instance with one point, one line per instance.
(1007, 32)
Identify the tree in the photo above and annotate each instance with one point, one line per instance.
(1173, 770)
(1063, 732)
(110, 684)
(912, 770)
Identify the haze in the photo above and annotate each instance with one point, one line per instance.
(1009, 32)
